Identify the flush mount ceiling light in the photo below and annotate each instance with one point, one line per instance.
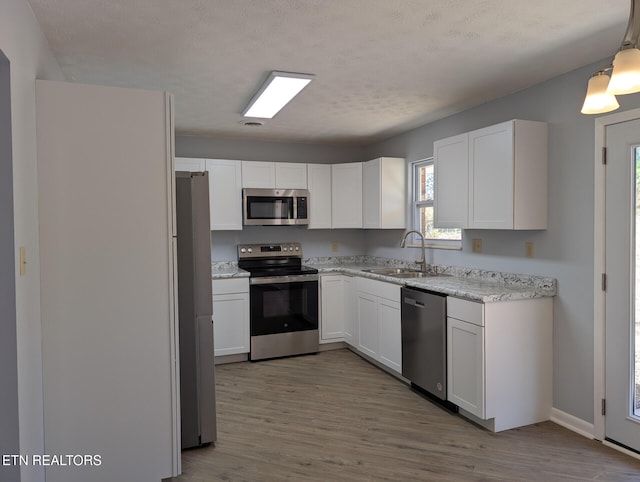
(625, 71)
(275, 93)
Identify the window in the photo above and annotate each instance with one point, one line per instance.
(422, 177)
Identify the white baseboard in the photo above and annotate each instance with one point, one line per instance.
(572, 423)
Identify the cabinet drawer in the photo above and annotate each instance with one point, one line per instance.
(231, 285)
(382, 289)
(469, 311)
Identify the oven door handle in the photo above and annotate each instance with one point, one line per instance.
(283, 279)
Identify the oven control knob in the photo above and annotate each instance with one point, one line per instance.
(284, 248)
(243, 250)
(249, 250)
(290, 248)
(297, 248)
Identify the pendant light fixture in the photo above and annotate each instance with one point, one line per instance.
(625, 71)
(598, 99)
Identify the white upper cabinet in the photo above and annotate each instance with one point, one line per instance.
(291, 175)
(259, 174)
(384, 185)
(225, 194)
(346, 195)
(504, 184)
(190, 165)
(451, 168)
(319, 186)
(274, 175)
(508, 176)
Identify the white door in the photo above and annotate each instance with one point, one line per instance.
(622, 331)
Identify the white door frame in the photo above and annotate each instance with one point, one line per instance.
(601, 124)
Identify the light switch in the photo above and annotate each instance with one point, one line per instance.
(334, 247)
(476, 245)
(23, 261)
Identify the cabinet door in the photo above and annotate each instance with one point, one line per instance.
(333, 308)
(491, 175)
(291, 175)
(384, 193)
(390, 334)
(367, 309)
(451, 173)
(190, 165)
(465, 366)
(346, 195)
(231, 324)
(225, 194)
(258, 174)
(350, 315)
(319, 186)
(393, 185)
(371, 194)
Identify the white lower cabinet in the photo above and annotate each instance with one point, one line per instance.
(499, 361)
(230, 316)
(351, 334)
(367, 308)
(378, 321)
(335, 294)
(389, 334)
(466, 365)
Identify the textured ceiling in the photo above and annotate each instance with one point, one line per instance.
(381, 66)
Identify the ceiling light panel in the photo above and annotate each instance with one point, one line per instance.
(275, 93)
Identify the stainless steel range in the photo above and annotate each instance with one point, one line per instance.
(283, 298)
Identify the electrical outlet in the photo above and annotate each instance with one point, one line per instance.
(334, 247)
(528, 249)
(476, 245)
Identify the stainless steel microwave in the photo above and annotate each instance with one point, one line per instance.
(262, 207)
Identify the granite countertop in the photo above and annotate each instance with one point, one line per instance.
(227, 269)
(471, 284)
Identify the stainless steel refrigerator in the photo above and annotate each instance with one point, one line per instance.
(197, 375)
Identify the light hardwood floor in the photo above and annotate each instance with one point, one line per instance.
(335, 417)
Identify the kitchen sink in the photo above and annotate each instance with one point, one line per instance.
(390, 271)
(413, 274)
(400, 272)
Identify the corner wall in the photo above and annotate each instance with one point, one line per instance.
(23, 43)
(9, 415)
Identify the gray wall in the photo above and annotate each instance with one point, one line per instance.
(255, 150)
(9, 428)
(563, 251)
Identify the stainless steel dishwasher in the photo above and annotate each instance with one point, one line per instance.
(424, 342)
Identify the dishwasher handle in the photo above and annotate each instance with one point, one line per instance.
(412, 302)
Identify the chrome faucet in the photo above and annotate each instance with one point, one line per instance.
(422, 261)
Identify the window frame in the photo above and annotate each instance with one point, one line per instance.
(414, 208)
